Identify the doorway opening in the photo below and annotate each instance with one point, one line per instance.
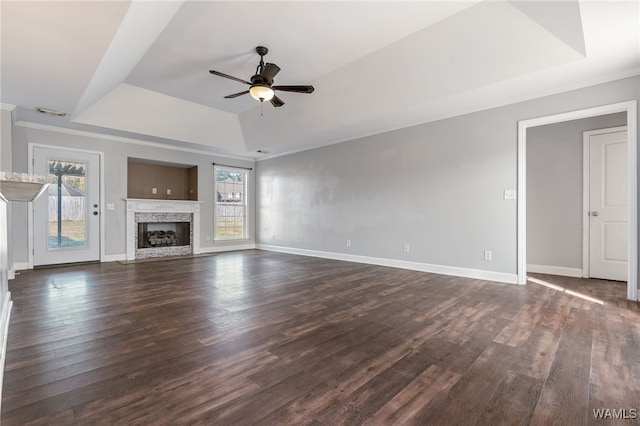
(630, 108)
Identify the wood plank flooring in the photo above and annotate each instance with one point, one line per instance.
(266, 338)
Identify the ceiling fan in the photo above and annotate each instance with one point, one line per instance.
(262, 88)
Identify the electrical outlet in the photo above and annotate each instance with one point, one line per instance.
(509, 194)
(348, 243)
(168, 191)
(405, 248)
(488, 255)
(154, 190)
(111, 206)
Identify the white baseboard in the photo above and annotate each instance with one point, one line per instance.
(23, 266)
(203, 250)
(555, 270)
(4, 331)
(220, 249)
(403, 264)
(114, 257)
(20, 266)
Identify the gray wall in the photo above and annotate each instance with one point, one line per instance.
(405, 186)
(437, 186)
(554, 190)
(5, 140)
(115, 190)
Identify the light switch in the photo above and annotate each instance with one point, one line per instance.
(111, 206)
(509, 194)
(154, 190)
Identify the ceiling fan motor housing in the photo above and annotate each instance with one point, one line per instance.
(257, 80)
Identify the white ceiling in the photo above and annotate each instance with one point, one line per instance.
(140, 68)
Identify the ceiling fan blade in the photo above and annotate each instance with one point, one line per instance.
(276, 101)
(235, 95)
(270, 71)
(218, 73)
(297, 89)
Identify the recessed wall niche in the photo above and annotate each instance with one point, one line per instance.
(157, 180)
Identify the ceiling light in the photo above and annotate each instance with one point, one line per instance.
(261, 93)
(51, 111)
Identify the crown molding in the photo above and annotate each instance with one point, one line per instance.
(121, 139)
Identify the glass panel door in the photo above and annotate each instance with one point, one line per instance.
(66, 219)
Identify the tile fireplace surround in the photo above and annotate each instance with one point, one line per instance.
(159, 211)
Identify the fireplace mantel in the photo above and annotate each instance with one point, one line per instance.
(137, 205)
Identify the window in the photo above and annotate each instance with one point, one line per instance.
(231, 203)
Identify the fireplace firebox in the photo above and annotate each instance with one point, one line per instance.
(163, 234)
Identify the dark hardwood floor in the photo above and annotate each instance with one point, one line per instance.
(266, 338)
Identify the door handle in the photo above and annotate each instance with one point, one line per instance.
(594, 213)
(95, 213)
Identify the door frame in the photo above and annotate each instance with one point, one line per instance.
(630, 108)
(586, 240)
(101, 196)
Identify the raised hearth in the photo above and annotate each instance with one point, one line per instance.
(160, 228)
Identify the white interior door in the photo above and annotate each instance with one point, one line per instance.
(66, 221)
(608, 205)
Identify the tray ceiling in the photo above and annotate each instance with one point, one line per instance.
(140, 69)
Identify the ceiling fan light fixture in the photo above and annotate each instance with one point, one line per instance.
(261, 93)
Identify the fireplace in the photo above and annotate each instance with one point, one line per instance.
(160, 228)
